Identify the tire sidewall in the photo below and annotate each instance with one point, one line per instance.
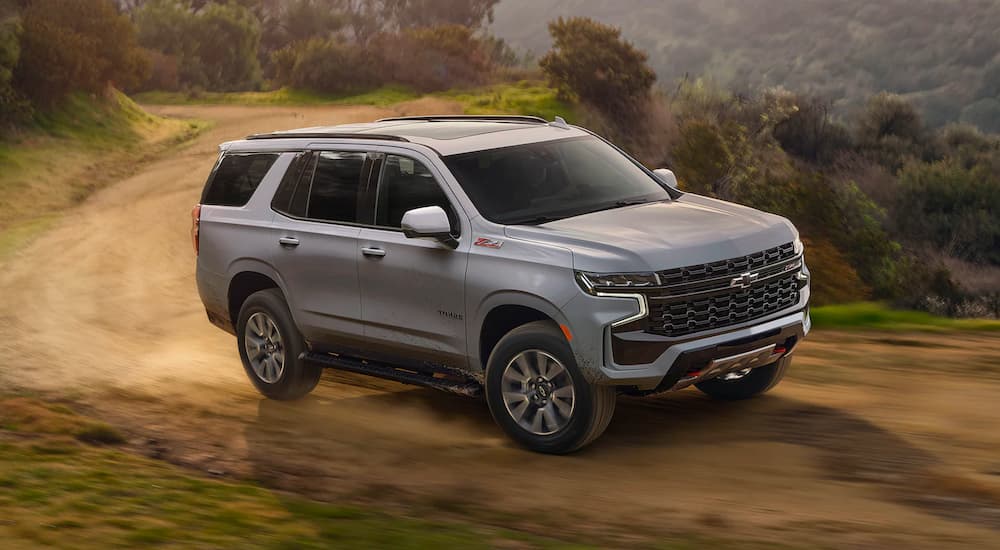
(271, 303)
(552, 342)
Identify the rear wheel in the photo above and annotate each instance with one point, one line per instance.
(539, 397)
(270, 345)
(736, 386)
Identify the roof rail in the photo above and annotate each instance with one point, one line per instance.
(325, 135)
(489, 118)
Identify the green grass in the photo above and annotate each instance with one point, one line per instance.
(876, 316)
(63, 155)
(284, 96)
(522, 98)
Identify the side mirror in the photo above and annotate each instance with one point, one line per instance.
(667, 177)
(429, 222)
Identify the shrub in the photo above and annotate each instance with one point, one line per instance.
(890, 131)
(951, 207)
(11, 103)
(811, 134)
(324, 65)
(71, 45)
(215, 46)
(590, 61)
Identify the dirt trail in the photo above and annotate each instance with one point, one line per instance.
(876, 440)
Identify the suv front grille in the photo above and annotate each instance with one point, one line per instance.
(703, 297)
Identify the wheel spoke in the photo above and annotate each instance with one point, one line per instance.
(536, 423)
(548, 411)
(525, 367)
(565, 406)
(518, 410)
(542, 365)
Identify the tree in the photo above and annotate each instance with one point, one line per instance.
(10, 51)
(215, 47)
(591, 62)
(70, 45)
(810, 133)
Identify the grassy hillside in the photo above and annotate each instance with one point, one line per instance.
(523, 98)
(944, 55)
(68, 153)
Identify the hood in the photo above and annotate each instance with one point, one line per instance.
(663, 235)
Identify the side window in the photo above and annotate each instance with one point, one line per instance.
(336, 187)
(282, 201)
(237, 177)
(407, 184)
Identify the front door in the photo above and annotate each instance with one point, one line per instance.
(412, 290)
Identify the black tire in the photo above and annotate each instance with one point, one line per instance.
(297, 378)
(756, 382)
(593, 405)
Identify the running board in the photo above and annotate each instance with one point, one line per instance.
(454, 381)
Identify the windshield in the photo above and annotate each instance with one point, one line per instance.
(542, 182)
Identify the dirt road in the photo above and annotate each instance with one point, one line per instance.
(875, 440)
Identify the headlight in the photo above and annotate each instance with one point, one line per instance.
(797, 246)
(596, 282)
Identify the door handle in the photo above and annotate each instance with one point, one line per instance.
(373, 252)
(288, 241)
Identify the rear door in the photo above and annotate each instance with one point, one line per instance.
(412, 290)
(316, 242)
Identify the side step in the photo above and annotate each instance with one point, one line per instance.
(453, 381)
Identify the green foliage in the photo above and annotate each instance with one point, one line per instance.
(952, 207)
(590, 61)
(11, 103)
(811, 134)
(426, 59)
(76, 45)
(890, 131)
(324, 65)
(215, 46)
(525, 97)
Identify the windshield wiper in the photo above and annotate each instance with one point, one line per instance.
(534, 220)
(632, 202)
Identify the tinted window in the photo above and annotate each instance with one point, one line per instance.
(336, 187)
(282, 201)
(237, 177)
(540, 182)
(406, 184)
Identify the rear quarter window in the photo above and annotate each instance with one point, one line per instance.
(236, 178)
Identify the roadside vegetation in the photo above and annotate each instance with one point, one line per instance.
(71, 151)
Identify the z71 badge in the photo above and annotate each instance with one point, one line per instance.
(488, 243)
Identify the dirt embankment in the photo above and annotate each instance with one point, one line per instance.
(876, 440)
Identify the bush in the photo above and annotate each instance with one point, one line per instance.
(215, 47)
(11, 103)
(435, 58)
(324, 65)
(76, 45)
(589, 61)
(952, 207)
(810, 134)
(890, 131)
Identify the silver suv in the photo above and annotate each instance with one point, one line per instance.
(531, 261)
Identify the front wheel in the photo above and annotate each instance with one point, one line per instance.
(270, 345)
(539, 397)
(736, 386)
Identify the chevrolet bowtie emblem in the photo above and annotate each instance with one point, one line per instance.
(744, 280)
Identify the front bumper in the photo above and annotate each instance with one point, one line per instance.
(667, 370)
(662, 363)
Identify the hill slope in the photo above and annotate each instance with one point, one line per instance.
(944, 55)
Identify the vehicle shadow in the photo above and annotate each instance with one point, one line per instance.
(389, 443)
